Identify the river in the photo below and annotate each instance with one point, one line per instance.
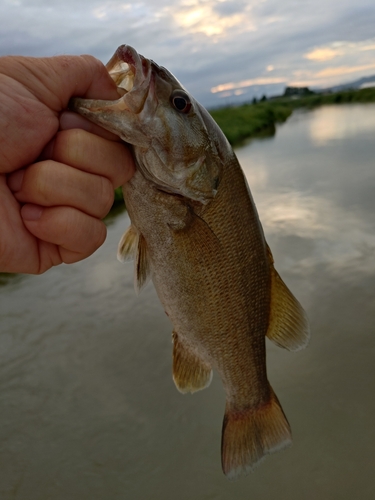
(88, 409)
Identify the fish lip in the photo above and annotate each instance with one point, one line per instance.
(138, 98)
(133, 80)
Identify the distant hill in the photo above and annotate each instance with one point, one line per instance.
(357, 84)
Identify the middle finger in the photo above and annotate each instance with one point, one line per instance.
(91, 153)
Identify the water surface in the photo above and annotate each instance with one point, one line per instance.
(88, 408)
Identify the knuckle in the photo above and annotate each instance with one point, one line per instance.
(70, 146)
(124, 165)
(106, 193)
(96, 235)
(36, 182)
(92, 61)
(101, 234)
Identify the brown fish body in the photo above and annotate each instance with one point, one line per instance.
(195, 230)
(212, 275)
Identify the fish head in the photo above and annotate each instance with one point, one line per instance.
(167, 128)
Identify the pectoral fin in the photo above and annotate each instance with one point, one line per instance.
(288, 325)
(142, 265)
(133, 246)
(127, 248)
(190, 373)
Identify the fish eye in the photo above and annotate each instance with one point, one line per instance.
(181, 101)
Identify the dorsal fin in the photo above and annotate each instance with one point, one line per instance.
(133, 246)
(190, 373)
(288, 325)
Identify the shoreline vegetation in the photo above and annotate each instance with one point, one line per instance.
(259, 118)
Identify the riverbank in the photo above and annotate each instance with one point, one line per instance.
(240, 123)
(248, 120)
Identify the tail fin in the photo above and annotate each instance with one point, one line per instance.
(251, 434)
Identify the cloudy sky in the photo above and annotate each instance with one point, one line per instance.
(223, 51)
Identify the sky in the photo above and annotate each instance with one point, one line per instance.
(222, 51)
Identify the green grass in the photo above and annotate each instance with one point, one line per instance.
(251, 120)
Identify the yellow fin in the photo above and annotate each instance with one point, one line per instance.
(127, 248)
(190, 373)
(249, 434)
(133, 246)
(142, 265)
(288, 325)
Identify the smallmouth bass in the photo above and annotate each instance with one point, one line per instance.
(195, 231)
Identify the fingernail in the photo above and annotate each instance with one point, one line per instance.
(15, 180)
(31, 212)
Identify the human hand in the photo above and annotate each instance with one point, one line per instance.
(57, 171)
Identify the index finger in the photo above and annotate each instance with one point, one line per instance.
(69, 120)
(93, 154)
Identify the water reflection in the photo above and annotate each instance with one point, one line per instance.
(320, 191)
(333, 123)
(88, 407)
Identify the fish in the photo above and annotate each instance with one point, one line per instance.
(195, 232)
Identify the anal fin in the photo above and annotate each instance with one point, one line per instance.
(190, 373)
(288, 325)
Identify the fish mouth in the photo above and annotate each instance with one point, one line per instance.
(135, 81)
(132, 74)
(123, 76)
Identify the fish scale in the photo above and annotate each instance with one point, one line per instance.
(196, 233)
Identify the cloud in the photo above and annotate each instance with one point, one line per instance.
(210, 17)
(205, 43)
(344, 70)
(340, 49)
(323, 54)
(246, 83)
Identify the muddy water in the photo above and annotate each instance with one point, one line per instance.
(88, 409)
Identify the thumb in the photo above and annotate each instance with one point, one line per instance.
(54, 80)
